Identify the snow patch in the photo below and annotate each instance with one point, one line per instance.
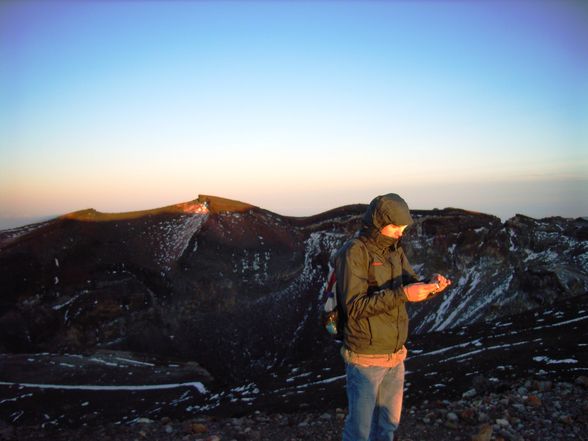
(195, 384)
(547, 360)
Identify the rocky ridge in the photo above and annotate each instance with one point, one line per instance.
(164, 289)
(187, 279)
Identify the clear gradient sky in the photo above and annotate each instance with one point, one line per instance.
(297, 107)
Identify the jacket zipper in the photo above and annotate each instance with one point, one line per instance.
(397, 308)
(397, 329)
(370, 331)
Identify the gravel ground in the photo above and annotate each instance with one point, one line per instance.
(528, 410)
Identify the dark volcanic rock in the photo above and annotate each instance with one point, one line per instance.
(236, 288)
(497, 269)
(216, 275)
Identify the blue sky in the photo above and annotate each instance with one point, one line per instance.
(296, 106)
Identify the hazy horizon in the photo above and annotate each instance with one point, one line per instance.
(296, 107)
(505, 213)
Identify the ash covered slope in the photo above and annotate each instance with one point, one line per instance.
(538, 347)
(546, 343)
(89, 279)
(247, 287)
(235, 287)
(213, 280)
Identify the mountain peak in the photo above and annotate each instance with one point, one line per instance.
(217, 204)
(92, 215)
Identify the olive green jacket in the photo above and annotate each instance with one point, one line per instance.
(371, 271)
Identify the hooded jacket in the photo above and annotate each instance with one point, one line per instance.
(371, 270)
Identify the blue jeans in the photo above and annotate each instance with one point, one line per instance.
(374, 396)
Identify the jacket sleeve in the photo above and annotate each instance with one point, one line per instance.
(352, 286)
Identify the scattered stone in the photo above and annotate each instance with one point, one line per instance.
(534, 401)
(254, 435)
(468, 415)
(198, 428)
(484, 434)
(519, 407)
(502, 422)
(483, 417)
(451, 416)
(543, 386)
(582, 380)
(451, 425)
(469, 394)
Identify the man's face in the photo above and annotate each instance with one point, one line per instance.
(393, 231)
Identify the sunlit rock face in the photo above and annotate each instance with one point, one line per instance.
(498, 269)
(237, 288)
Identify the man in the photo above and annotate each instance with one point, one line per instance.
(374, 281)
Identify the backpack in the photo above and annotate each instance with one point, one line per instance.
(331, 315)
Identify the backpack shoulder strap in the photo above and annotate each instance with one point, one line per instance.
(331, 280)
(371, 277)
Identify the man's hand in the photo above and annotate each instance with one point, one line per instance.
(441, 281)
(417, 292)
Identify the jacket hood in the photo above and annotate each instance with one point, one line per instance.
(385, 210)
